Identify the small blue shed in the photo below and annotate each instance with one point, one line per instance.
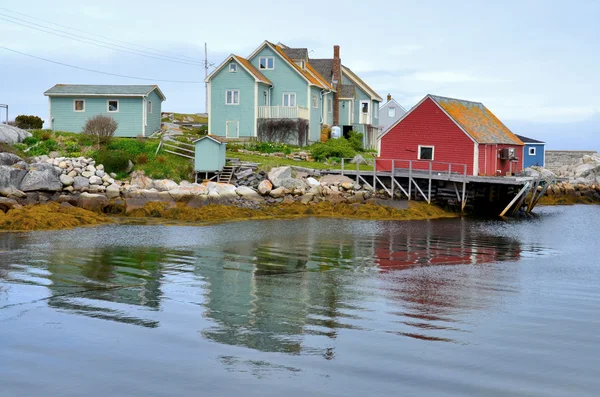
(137, 108)
(535, 152)
(209, 154)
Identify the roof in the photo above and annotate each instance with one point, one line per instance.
(212, 138)
(296, 53)
(524, 139)
(252, 69)
(347, 91)
(324, 67)
(393, 102)
(246, 64)
(364, 86)
(312, 77)
(476, 120)
(103, 90)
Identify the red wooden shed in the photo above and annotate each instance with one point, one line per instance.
(449, 130)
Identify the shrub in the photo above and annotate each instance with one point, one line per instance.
(29, 122)
(72, 147)
(45, 135)
(30, 140)
(356, 140)
(141, 158)
(85, 139)
(102, 128)
(113, 160)
(161, 159)
(332, 148)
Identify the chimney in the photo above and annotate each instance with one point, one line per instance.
(389, 97)
(337, 83)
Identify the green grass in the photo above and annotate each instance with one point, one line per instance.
(197, 119)
(266, 163)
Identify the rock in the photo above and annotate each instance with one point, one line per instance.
(8, 204)
(582, 169)
(181, 194)
(307, 198)
(113, 191)
(329, 180)
(94, 180)
(63, 165)
(100, 173)
(81, 183)
(225, 190)
(358, 159)
(164, 185)
(278, 193)
(248, 193)
(45, 180)
(292, 184)
(347, 185)
(139, 179)
(265, 187)
(12, 135)
(10, 180)
(92, 202)
(66, 180)
(312, 182)
(9, 158)
(129, 168)
(244, 173)
(53, 155)
(113, 175)
(87, 174)
(100, 167)
(106, 178)
(279, 174)
(72, 174)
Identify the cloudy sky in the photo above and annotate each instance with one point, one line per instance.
(534, 63)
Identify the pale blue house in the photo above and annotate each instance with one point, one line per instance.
(534, 153)
(137, 108)
(279, 94)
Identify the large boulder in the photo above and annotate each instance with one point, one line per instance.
(329, 180)
(164, 185)
(292, 184)
(226, 190)
(265, 187)
(12, 135)
(9, 159)
(10, 179)
(248, 193)
(113, 191)
(278, 174)
(92, 202)
(42, 177)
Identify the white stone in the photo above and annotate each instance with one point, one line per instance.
(105, 177)
(278, 174)
(94, 180)
(100, 167)
(66, 180)
(63, 165)
(112, 191)
(312, 182)
(87, 174)
(248, 193)
(100, 173)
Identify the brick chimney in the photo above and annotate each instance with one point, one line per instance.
(389, 98)
(337, 77)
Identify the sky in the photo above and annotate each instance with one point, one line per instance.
(533, 63)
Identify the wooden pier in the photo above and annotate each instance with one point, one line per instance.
(448, 184)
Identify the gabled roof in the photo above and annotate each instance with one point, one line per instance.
(476, 120)
(244, 63)
(364, 86)
(310, 76)
(393, 102)
(347, 91)
(524, 139)
(212, 138)
(103, 90)
(296, 53)
(324, 67)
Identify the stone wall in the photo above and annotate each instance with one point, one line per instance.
(560, 158)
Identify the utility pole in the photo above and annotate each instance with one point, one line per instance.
(205, 76)
(6, 107)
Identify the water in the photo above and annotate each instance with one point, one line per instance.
(306, 307)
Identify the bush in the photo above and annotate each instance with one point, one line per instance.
(72, 147)
(29, 122)
(141, 158)
(101, 128)
(113, 161)
(356, 140)
(30, 140)
(85, 139)
(332, 148)
(161, 159)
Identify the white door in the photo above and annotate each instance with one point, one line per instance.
(365, 112)
(232, 129)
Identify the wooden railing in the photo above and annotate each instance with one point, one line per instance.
(283, 112)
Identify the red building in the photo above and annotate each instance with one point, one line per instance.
(445, 130)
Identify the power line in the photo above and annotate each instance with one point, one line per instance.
(89, 41)
(98, 71)
(130, 45)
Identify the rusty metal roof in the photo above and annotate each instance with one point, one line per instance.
(477, 121)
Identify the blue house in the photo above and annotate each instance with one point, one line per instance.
(534, 152)
(137, 108)
(278, 93)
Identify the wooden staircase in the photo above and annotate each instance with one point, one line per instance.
(226, 175)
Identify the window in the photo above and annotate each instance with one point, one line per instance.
(232, 97)
(315, 101)
(79, 105)
(391, 112)
(365, 107)
(149, 107)
(532, 151)
(233, 67)
(300, 63)
(426, 152)
(289, 99)
(113, 105)
(266, 63)
(330, 105)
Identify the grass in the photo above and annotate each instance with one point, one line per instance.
(268, 162)
(180, 116)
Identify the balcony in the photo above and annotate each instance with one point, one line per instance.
(283, 112)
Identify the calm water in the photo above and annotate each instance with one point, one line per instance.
(306, 307)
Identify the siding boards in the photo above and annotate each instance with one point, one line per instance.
(153, 120)
(314, 132)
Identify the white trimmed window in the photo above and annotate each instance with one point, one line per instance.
(233, 67)
(113, 105)
(426, 152)
(79, 105)
(315, 101)
(330, 101)
(232, 97)
(266, 63)
(289, 99)
(392, 112)
(532, 151)
(149, 107)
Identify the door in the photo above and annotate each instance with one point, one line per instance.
(365, 112)
(232, 129)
